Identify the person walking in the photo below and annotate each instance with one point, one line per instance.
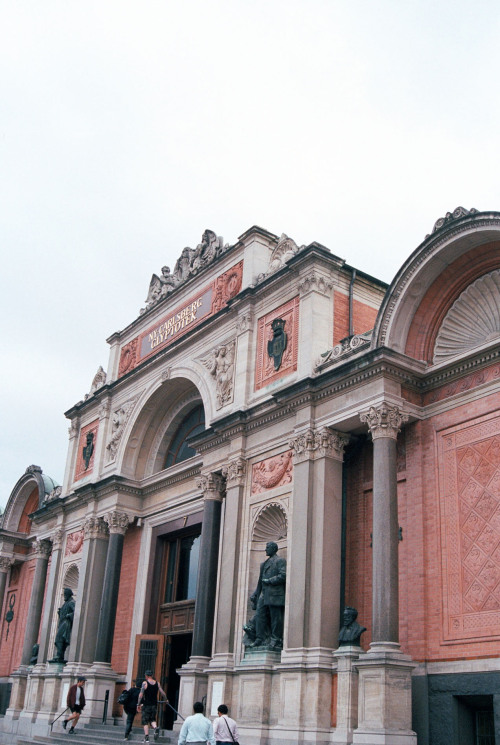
(130, 707)
(197, 729)
(225, 728)
(75, 700)
(147, 701)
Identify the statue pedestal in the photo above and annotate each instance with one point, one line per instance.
(19, 678)
(347, 693)
(384, 699)
(100, 678)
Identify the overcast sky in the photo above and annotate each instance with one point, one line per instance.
(127, 128)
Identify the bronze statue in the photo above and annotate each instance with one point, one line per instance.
(265, 629)
(351, 631)
(34, 654)
(63, 635)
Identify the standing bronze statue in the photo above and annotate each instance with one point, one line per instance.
(63, 635)
(266, 628)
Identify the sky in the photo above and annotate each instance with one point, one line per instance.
(127, 128)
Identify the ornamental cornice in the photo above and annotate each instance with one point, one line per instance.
(384, 420)
(323, 443)
(235, 471)
(41, 549)
(95, 527)
(212, 486)
(118, 522)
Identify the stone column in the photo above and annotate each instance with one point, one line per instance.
(90, 582)
(50, 603)
(384, 423)
(194, 679)
(212, 486)
(5, 565)
(42, 551)
(118, 524)
(384, 695)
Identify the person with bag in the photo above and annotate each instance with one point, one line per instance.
(225, 728)
(128, 699)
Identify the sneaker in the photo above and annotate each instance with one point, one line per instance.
(65, 723)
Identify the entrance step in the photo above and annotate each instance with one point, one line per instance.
(95, 734)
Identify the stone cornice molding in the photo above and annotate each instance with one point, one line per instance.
(384, 421)
(41, 549)
(5, 563)
(118, 522)
(235, 472)
(318, 443)
(212, 486)
(95, 527)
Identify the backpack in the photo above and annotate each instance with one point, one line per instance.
(123, 697)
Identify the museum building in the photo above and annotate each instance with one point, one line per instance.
(271, 393)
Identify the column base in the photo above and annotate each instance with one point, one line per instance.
(194, 683)
(384, 699)
(347, 693)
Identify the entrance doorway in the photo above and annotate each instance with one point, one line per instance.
(177, 653)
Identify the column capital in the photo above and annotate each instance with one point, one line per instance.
(235, 471)
(95, 527)
(6, 563)
(211, 485)
(42, 548)
(57, 538)
(118, 522)
(384, 420)
(318, 443)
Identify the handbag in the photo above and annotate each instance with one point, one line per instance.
(229, 730)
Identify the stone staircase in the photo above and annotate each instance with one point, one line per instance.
(94, 734)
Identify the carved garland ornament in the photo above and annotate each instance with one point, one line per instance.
(119, 421)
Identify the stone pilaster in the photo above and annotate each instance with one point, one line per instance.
(117, 523)
(42, 551)
(90, 582)
(5, 565)
(50, 607)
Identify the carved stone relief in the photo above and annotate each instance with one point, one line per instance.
(220, 364)
(74, 542)
(272, 472)
(118, 423)
(98, 381)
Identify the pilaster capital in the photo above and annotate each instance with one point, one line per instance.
(384, 421)
(57, 538)
(104, 408)
(318, 443)
(235, 471)
(95, 527)
(212, 486)
(118, 522)
(6, 563)
(315, 281)
(74, 428)
(42, 548)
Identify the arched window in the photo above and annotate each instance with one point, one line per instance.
(191, 425)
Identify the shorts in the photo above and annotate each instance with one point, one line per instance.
(76, 709)
(148, 714)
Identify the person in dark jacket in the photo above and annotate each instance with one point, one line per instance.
(75, 700)
(130, 707)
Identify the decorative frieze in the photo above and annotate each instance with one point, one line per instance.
(220, 364)
(118, 522)
(313, 443)
(235, 471)
(95, 527)
(384, 420)
(212, 486)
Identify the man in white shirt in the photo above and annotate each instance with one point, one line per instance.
(197, 728)
(225, 728)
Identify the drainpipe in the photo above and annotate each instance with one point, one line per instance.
(351, 292)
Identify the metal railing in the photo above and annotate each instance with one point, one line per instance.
(104, 700)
